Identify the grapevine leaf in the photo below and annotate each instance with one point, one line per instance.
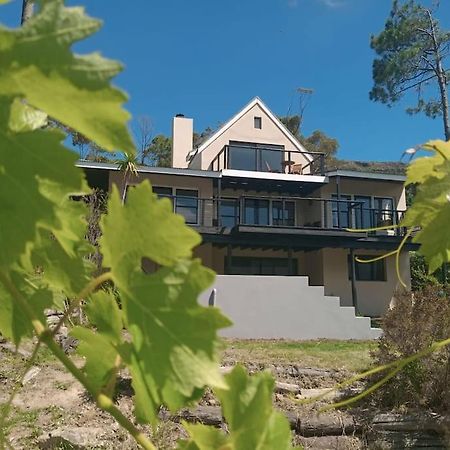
(173, 353)
(204, 437)
(431, 207)
(144, 227)
(30, 162)
(248, 411)
(103, 312)
(25, 118)
(100, 348)
(14, 322)
(37, 64)
(101, 356)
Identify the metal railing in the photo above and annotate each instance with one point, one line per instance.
(268, 159)
(286, 212)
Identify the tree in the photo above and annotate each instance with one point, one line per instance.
(27, 10)
(318, 141)
(412, 51)
(143, 133)
(160, 151)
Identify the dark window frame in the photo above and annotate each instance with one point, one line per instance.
(375, 269)
(261, 266)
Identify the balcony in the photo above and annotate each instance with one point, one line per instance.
(286, 213)
(275, 159)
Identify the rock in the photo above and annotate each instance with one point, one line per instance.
(81, 438)
(32, 373)
(13, 349)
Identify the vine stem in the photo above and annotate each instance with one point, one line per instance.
(45, 335)
(7, 405)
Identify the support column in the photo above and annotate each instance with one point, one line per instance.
(290, 265)
(353, 279)
(228, 260)
(219, 195)
(338, 194)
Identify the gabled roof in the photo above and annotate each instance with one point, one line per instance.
(241, 113)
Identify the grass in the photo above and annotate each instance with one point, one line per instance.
(353, 356)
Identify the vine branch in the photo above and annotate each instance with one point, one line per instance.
(45, 335)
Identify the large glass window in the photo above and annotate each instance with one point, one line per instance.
(363, 212)
(248, 265)
(259, 157)
(341, 211)
(256, 211)
(270, 160)
(229, 212)
(384, 211)
(186, 204)
(283, 213)
(241, 158)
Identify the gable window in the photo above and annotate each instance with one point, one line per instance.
(257, 122)
(255, 157)
(373, 271)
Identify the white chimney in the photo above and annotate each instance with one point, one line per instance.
(182, 135)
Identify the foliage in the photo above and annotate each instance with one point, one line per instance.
(171, 344)
(160, 151)
(420, 276)
(411, 53)
(424, 382)
(431, 206)
(318, 141)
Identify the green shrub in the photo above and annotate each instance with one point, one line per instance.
(416, 321)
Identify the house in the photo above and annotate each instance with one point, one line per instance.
(276, 228)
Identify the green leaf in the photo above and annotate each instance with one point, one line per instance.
(431, 207)
(252, 421)
(101, 348)
(101, 357)
(29, 163)
(173, 353)
(144, 227)
(204, 437)
(14, 323)
(37, 64)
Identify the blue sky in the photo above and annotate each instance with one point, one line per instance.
(208, 58)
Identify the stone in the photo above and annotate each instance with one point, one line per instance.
(33, 372)
(80, 438)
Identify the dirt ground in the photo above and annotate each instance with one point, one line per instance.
(52, 409)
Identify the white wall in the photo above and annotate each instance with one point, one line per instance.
(284, 307)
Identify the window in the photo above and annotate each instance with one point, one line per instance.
(341, 211)
(229, 212)
(255, 157)
(186, 204)
(258, 122)
(186, 201)
(248, 265)
(162, 191)
(256, 211)
(384, 211)
(363, 213)
(374, 271)
(283, 213)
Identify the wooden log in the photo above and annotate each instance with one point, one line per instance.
(324, 425)
(287, 388)
(208, 415)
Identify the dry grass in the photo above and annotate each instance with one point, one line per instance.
(351, 356)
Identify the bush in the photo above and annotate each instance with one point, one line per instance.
(414, 323)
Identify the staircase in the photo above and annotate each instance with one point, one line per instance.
(277, 307)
